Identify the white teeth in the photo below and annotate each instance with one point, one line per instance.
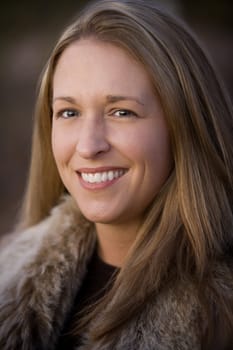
(84, 176)
(92, 178)
(97, 177)
(110, 175)
(102, 177)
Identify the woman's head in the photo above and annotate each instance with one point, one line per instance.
(109, 134)
(196, 111)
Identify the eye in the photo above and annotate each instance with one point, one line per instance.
(121, 113)
(67, 113)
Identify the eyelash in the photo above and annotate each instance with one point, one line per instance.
(126, 113)
(60, 114)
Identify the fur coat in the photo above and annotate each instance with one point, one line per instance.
(41, 271)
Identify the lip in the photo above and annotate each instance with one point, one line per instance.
(99, 169)
(101, 185)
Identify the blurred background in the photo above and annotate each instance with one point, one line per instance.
(29, 30)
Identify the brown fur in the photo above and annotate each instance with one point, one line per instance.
(41, 270)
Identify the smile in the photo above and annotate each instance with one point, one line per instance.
(99, 177)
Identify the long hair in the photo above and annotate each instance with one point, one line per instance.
(190, 222)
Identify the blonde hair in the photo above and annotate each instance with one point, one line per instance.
(190, 222)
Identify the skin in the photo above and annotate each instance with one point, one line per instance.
(106, 117)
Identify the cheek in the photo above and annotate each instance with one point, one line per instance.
(147, 145)
(156, 151)
(61, 146)
(161, 147)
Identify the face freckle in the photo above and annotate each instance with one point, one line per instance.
(109, 135)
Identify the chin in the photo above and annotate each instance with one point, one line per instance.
(97, 218)
(100, 213)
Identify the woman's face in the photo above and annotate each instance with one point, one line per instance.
(109, 135)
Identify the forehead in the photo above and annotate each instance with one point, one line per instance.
(91, 62)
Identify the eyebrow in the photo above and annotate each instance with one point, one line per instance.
(117, 98)
(65, 98)
(109, 99)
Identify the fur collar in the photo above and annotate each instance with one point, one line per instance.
(41, 272)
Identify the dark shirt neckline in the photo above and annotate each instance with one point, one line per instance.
(97, 281)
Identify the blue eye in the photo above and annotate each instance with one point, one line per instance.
(124, 113)
(67, 113)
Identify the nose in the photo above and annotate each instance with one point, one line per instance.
(92, 139)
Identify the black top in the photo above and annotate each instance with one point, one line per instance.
(97, 281)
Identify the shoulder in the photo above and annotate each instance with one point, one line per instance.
(19, 249)
(179, 315)
(38, 266)
(184, 312)
(218, 297)
(218, 281)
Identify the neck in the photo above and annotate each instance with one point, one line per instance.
(114, 242)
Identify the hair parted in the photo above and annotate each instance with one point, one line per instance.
(191, 219)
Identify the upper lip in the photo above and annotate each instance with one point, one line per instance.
(99, 169)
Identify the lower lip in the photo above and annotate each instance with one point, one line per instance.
(97, 186)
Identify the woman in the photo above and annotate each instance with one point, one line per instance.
(126, 227)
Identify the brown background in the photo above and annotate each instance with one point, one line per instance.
(29, 30)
